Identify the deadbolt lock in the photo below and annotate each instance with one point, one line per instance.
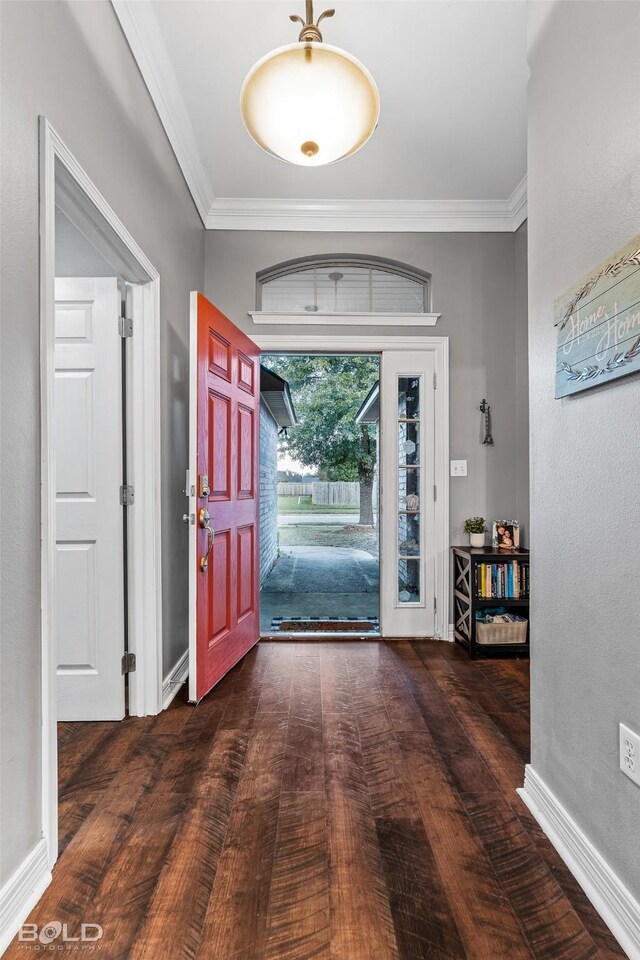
(204, 485)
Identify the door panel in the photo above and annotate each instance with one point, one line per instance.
(223, 489)
(77, 602)
(246, 448)
(89, 612)
(220, 446)
(220, 585)
(246, 555)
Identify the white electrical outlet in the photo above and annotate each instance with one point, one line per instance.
(630, 753)
(458, 468)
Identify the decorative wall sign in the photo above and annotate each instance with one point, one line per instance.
(598, 323)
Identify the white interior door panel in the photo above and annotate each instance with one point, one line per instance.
(89, 613)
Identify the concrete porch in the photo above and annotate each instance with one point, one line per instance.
(320, 581)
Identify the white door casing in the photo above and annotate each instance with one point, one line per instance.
(63, 181)
(89, 613)
(403, 617)
(429, 355)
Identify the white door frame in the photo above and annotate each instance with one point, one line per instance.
(143, 450)
(439, 346)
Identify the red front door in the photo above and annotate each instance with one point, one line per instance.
(223, 488)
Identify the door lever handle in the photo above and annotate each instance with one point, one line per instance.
(203, 518)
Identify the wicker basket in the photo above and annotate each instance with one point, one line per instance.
(488, 633)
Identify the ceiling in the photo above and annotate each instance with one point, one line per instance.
(450, 149)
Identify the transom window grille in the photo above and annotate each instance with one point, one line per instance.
(342, 286)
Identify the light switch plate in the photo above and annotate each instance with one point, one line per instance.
(458, 468)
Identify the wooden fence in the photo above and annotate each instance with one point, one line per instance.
(321, 491)
(338, 493)
(294, 489)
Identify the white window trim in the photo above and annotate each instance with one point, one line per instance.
(439, 346)
(347, 319)
(144, 568)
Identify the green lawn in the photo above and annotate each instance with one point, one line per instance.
(304, 505)
(326, 535)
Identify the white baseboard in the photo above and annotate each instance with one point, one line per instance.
(22, 891)
(451, 638)
(173, 681)
(615, 904)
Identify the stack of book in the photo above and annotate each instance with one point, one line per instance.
(502, 581)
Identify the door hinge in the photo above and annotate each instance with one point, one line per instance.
(435, 492)
(128, 663)
(435, 604)
(435, 380)
(125, 327)
(126, 495)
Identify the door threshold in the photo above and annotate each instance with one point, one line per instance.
(320, 635)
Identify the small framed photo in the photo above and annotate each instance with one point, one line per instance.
(506, 534)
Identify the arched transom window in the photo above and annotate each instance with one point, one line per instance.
(343, 285)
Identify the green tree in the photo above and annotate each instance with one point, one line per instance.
(327, 393)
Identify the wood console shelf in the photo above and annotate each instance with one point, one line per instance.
(467, 601)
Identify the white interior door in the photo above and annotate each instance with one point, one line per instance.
(408, 495)
(89, 614)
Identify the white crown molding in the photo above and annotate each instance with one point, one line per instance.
(347, 319)
(406, 216)
(518, 203)
(615, 904)
(141, 29)
(22, 891)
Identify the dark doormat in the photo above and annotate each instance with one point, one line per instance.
(325, 624)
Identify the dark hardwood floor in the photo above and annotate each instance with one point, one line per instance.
(328, 801)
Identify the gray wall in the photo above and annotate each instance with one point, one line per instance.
(474, 287)
(584, 203)
(268, 491)
(75, 256)
(71, 63)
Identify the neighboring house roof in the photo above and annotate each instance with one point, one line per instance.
(369, 412)
(277, 396)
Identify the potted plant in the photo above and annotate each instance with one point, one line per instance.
(476, 529)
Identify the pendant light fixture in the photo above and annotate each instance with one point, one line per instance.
(309, 103)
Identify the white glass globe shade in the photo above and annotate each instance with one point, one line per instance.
(310, 103)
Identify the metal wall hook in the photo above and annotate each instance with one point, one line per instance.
(486, 410)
